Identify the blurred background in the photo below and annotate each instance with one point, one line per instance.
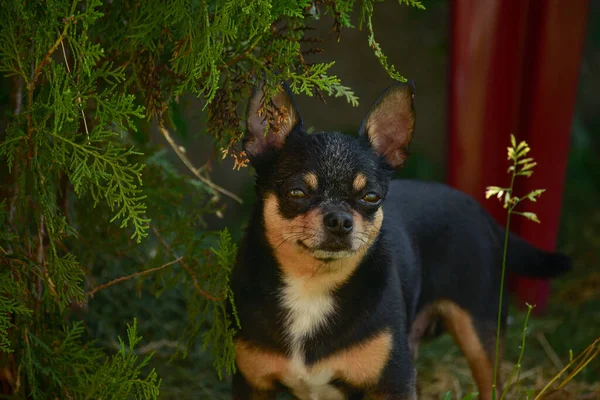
(483, 70)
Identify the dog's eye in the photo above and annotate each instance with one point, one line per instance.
(371, 198)
(296, 194)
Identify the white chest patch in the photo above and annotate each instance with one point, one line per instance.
(307, 311)
(308, 383)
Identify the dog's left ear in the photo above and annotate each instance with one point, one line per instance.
(390, 124)
(269, 123)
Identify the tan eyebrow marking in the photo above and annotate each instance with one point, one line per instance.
(359, 182)
(311, 180)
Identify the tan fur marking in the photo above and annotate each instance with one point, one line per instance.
(359, 182)
(260, 368)
(311, 180)
(361, 365)
(296, 262)
(460, 325)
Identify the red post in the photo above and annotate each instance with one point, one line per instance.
(514, 69)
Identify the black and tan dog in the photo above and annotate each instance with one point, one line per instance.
(342, 271)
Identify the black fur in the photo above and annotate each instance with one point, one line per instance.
(435, 243)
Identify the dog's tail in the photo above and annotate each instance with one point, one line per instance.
(528, 261)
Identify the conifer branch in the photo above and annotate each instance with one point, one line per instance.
(87, 132)
(189, 270)
(127, 277)
(40, 66)
(36, 75)
(232, 61)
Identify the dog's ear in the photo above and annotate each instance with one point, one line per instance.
(269, 123)
(390, 124)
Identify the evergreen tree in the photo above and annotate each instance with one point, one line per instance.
(84, 190)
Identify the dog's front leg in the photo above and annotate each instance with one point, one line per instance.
(398, 381)
(242, 390)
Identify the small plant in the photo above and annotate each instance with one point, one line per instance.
(517, 368)
(521, 166)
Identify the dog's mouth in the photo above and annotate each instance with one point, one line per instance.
(329, 251)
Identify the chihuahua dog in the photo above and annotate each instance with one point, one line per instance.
(342, 271)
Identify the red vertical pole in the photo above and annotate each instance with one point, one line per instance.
(485, 73)
(513, 69)
(556, 42)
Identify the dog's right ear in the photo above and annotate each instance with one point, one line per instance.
(390, 124)
(269, 123)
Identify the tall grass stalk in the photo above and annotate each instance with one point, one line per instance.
(521, 166)
(517, 369)
(580, 362)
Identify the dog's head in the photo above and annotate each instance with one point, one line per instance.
(322, 193)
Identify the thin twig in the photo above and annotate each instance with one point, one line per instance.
(124, 278)
(586, 357)
(184, 265)
(36, 75)
(159, 344)
(19, 96)
(549, 351)
(40, 249)
(191, 166)
(15, 195)
(87, 132)
(525, 375)
(46, 58)
(40, 259)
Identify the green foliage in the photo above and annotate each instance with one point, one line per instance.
(366, 15)
(124, 373)
(89, 201)
(61, 363)
(9, 307)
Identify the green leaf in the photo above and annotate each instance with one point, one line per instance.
(447, 395)
(523, 151)
(412, 3)
(525, 173)
(528, 166)
(494, 191)
(535, 193)
(521, 146)
(525, 160)
(529, 215)
(511, 154)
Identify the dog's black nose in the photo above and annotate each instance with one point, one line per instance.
(339, 223)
